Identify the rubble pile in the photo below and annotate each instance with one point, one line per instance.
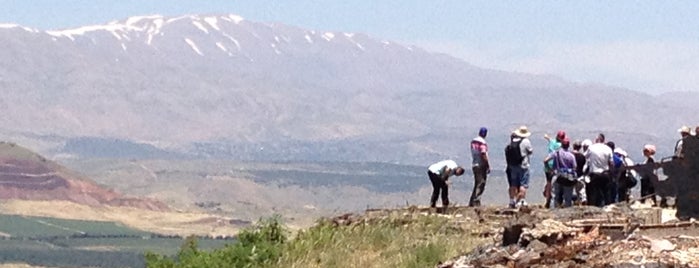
(588, 237)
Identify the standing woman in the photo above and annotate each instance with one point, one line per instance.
(648, 175)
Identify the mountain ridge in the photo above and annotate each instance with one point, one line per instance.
(179, 81)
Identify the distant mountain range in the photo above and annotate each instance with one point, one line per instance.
(221, 86)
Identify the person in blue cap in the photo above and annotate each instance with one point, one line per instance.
(481, 166)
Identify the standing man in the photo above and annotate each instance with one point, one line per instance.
(439, 174)
(684, 132)
(580, 162)
(599, 161)
(517, 155)
(481, 166)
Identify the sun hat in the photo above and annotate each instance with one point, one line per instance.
(522, 132)
(684, 129)
(586, 143)
(650, 148)
(621, 152)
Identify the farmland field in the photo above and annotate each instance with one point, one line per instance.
(46, 241)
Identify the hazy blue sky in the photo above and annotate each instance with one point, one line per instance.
(651, 46)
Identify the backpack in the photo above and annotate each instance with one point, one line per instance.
(513, 154)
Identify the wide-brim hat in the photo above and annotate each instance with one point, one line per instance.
(684, 129)
(522, 132)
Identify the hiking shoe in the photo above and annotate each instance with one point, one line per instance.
(512, 204)
(522, 203)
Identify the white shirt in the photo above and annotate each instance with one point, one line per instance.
(599, 157)
(437, 168)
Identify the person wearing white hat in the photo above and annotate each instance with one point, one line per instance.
(684, 132)
(648, 175)
(517, 155)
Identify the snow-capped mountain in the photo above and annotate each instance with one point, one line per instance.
(199, 79)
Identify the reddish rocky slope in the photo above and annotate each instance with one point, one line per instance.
(29, 176)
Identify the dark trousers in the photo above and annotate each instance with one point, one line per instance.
(623, 193)
(598, 189)
(612, 191)
(647, 189)
(480, 176)
(438, 185)
(549, 181)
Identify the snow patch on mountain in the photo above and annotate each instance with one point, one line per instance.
(237, 44)
(328, 36)
(200, 26)
(193, 46)
(275, 49)
(233, 18)
(11, 26)
(213, 22)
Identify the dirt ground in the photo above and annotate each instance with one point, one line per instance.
(614, 236)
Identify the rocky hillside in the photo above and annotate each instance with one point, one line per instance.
(28, 176)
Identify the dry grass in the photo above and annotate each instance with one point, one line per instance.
(170, 223)
(397, 240)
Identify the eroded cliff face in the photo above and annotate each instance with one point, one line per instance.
(29, 176)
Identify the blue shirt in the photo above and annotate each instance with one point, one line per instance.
(553, 146)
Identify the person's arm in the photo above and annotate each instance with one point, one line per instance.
(484, 157)
(446, 172)
(548, 157)
(485, 161)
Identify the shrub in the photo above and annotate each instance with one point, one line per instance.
(257, 246)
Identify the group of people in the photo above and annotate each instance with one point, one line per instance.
(590, 173)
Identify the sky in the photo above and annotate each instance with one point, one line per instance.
(649, 46)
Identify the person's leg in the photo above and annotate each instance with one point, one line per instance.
(445, 195)
(513, 181)
(612, 190)
(548, 193)
(599, 184)
(567, 194)
(590, 191)
(557, 194)
(594, 190)
(583, 193)
(580, 192)
(479, 175)
(605, 184)
(524, 185)
(648, 191)
(623, 193)
(645, 191)
(435, 188)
